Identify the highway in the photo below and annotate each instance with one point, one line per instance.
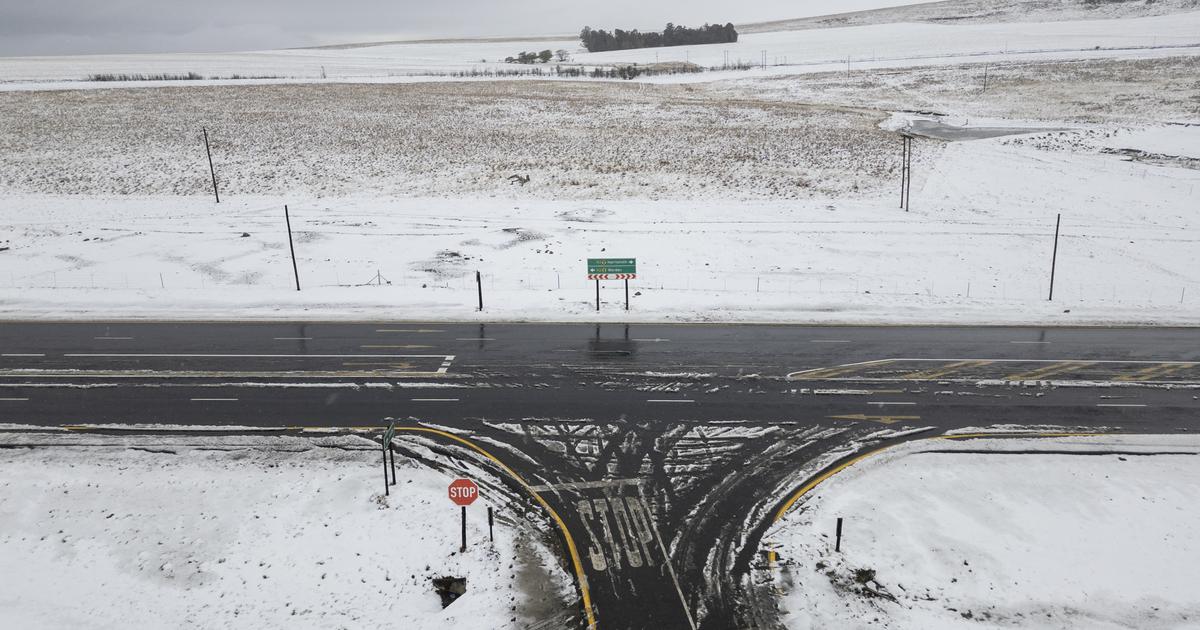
(665, 449)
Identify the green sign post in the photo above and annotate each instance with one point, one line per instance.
(387, 447)
(612, 269)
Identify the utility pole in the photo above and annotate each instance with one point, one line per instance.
(295, 270)
(985, 78)
(905, 169)
(1054, 256)
(211, 170)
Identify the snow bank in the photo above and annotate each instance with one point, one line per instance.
(250, 533)
(1001, 540)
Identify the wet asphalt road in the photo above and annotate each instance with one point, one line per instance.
(664, 448)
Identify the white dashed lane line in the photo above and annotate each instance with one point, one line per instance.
(891, 403)
(113, 338)
(475, 339)
(1118, 405)
(292, 338)
(830, 341)
(214, 400)
(1033, 342)
(22, 354)
(434, 400)
(670, 400)
(14, 399)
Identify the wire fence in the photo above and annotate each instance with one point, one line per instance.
(832, 286)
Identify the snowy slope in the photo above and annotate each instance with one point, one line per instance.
(145, 532)
(796, 51)
(1007, 540)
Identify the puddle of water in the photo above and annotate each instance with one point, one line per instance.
(942, 131)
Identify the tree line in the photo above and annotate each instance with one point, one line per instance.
(600, 40)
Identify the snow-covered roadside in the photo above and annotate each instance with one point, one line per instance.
(974, 249)
(1011, 538)
(251, 532)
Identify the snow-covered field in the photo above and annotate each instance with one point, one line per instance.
(867, 46)
(747, 197)
(1017, 539)
(975, 248)
(251, 532)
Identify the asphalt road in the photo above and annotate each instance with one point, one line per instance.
(665, 449)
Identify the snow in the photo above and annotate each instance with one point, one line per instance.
(751, 198)
(249, 532)
(1009, 539)
(974, 249)
(787, 52)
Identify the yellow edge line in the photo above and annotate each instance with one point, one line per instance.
(813, 483)
(571, 548)
(576, 563)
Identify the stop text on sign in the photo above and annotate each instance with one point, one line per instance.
(463, 491)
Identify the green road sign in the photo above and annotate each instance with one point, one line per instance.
(611, 265)
(390, 433)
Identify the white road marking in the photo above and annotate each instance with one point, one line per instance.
(1118, 405)
(666, 558)
(891, 403)
(434, 400)
(292, 338)
(587, 485)
(664, 400)
(14, 399)
(475, 339)
(406, 330)
(830, 341)
(1029, 342)
(22, 354)
(404, 347)
(214, 400)
(654, 340)
(114, 338)
(262, 356)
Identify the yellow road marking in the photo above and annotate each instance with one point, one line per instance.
(879, 419)
(926, 375)
(1156, 371)
(379, 363)
(562, 526)
(1050, 370)
(813, 483)
(836, 370)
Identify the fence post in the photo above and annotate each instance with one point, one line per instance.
(212, 171)
(1054, 256)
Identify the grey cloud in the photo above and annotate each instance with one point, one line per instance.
(54, 27)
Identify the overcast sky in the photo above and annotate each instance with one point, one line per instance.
(61, 27)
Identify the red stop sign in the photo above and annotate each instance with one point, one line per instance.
(463, 491)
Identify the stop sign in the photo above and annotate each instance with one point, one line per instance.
(463, 492)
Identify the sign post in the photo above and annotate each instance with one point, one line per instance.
(388, 435)
(612, 269)
(463, 492)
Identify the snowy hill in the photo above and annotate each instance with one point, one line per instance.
(983, 11)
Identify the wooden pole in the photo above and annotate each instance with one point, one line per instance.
(211, 171)
(1054, 256)
(295, 270)
(627, 294)
(479, 285)
(597, 295)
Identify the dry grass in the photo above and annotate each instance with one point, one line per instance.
(575, 140)
(1124, 91)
